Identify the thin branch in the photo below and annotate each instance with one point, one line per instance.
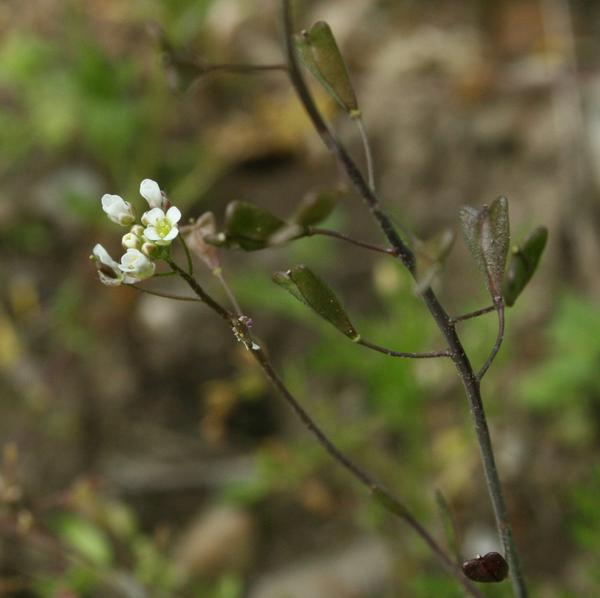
(243, 69)
(473, 314)
(202, 294)
(443, 321)
(164, 295)
(367, 148)
(219, 274)
(408, 355)
(499, 338)
(375, 488)
(188, 255)
(312, 230)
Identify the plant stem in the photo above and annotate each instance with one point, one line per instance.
(312, 230)
(367, 148)
(219, 275)
(243, 69)
(188, 256)
(202, 294)
(408, 355)
(499, 307)
(165, 295)
(376, 489)
(379, 492)
(473, 314)
(445, 324)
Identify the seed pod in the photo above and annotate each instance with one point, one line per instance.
(489, 568)
(319, 52)
(487, 233)
(308, 288)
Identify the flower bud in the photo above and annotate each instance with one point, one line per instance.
(137, 230)
(131, 241)
(151, 192)
(118, 210)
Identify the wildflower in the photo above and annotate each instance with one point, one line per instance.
(161, 228)
(118, 210)
(108, 270)
(151, 192)
(137, 265)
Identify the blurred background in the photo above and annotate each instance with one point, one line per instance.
(143, 454)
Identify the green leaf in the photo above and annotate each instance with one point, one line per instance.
(523, 263)
(487, 234)
(250, 227)
(319, 52)
(307, 287)
(315, 207)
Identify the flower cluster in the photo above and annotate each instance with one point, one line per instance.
(144, 242)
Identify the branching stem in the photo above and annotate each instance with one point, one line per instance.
(378, 491)
(201, 293)
(499, 307)
(324, 232)
(188, 255)
(164, 295)
(473, 314)
(470, 380)
(408, 355)
(243, 69)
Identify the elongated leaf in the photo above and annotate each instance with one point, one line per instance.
(319, 52)
(316, 207)
(307, 287)
(249, 226)
(523, 263)
(487, 234)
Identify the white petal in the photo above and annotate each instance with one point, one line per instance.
(153, 215)
(103, 256)
(174, 215)
(171, 234)
(151, 192)
(151, 234)
(108, 281)
(109, 200)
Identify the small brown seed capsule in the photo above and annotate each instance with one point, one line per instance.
(489, 568)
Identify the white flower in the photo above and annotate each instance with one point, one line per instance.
(118, 210)
(108, 270)
(137, 265)
(151, 192)
(161, 228)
